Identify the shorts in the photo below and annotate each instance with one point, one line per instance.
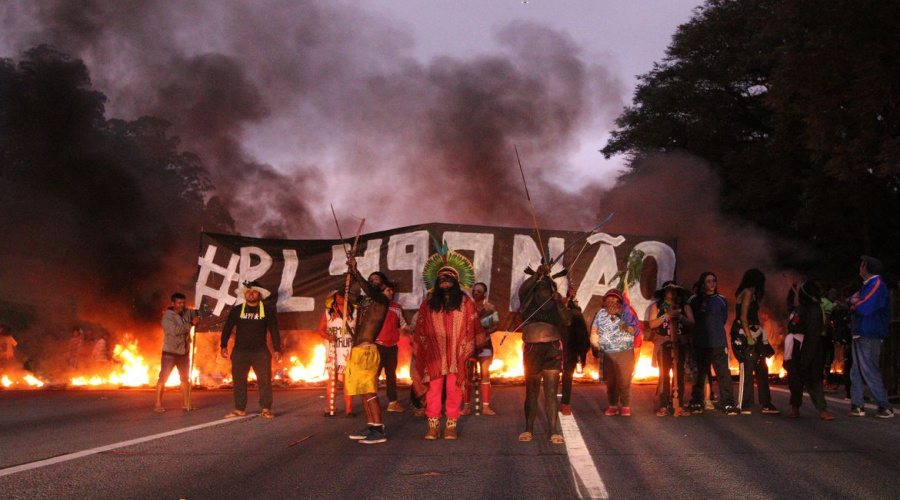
(170, 361)
(362, 370)
(540, 356)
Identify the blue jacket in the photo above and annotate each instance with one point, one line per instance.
(872, 314)
(710, 315)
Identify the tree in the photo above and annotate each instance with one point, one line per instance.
(793, 104)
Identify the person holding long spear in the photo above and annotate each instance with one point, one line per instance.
(177, 323)
(362, 367)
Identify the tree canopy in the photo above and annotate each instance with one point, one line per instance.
(794, 104)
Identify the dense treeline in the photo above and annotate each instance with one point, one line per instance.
(97, 213)
(794, 104)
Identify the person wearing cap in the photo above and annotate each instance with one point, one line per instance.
(710, 312)
(177, 322)
(448, 331)
(668, 313)
(387, 340)
(249, 322)
(337, 348)
(362, 366)
(871, 312)
(613, 333)
(545, 314)
(803, 356)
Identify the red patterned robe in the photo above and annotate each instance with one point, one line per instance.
(442, 342)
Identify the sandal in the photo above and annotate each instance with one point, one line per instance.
(236, 413)
(159, 409)
(266, 413)
(557, 439)
(526, 437)
(663, 412)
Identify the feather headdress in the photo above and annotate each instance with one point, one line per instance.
(445, 260)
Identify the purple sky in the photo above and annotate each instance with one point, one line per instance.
(369, 105)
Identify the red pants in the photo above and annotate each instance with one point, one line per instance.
(435, 391)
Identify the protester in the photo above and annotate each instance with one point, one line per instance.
(667, 313)
(249, 322)
(490, 320)
(871, 324)
(448, 332)
(750, 343)
(613, 333)
(543, 313)
(100, 353)
(177, 321)
(337, 347)
(76, 344)
(387, 340)
(7, 348)
(576, 344)
(843, 336)
(803, 356)
(362, 366)
(710, 312)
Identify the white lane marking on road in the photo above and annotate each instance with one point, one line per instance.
(101, 449)
(582, 464)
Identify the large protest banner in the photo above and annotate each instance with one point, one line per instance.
(299, 274)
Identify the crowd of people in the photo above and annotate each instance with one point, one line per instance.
(452, 350)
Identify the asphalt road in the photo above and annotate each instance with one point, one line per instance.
(301, 454)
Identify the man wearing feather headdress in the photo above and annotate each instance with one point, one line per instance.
(447, 333)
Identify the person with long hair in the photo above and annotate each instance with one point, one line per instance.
(337, 347)
(803, 356)
(667, 313)
(750, 343)
(710, 312)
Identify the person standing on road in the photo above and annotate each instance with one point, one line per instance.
(545, 314)
(614, 333)
(710, 312)
(448, 331)
(387, 340)
(666, 315)
(177, 322)
(871, 311)
(751, 344)
(803, 353)
(362, 367)
(249, 322)
(490, 319)
(337, 347)
(576, 344)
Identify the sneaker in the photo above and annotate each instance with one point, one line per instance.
(770, 410)
(746, 411)
(856, 411)
(394, 406)
(884, 413)
(731, 411)
(565, 409)
(626, 411)
(375, 436)
(795, 412)
(361, 434)
(695, 408)
(612, 411)
(826, 416)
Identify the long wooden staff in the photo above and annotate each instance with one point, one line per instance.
(347, 282)
(193, 332)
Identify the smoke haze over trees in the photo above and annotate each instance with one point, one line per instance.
(794, 104)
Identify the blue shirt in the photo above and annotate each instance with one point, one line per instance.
(710, 315)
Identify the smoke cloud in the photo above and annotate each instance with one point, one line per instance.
(291, 106)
